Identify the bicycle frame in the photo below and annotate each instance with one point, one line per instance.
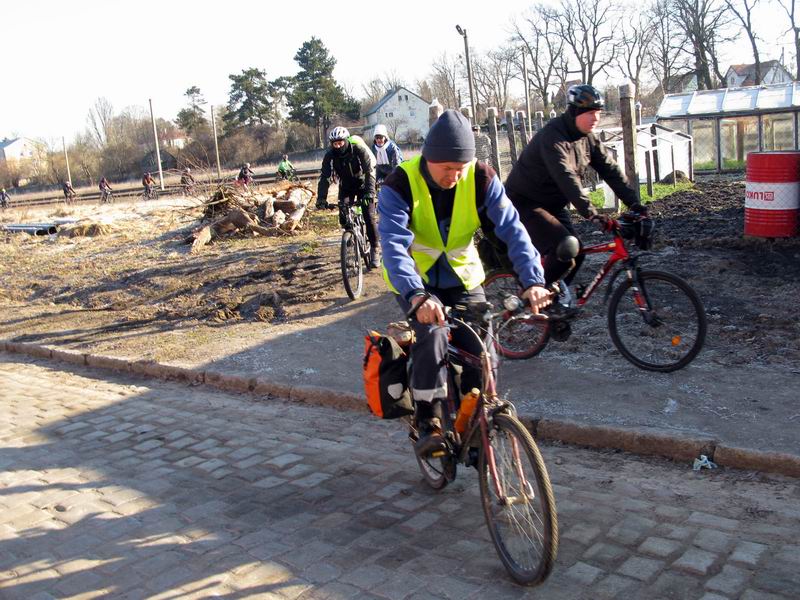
(619, 253)
(484, 409)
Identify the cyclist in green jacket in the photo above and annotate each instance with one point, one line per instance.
(285, 168)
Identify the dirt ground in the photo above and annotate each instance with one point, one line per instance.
(277, 305)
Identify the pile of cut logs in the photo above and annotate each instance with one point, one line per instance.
(270, 210)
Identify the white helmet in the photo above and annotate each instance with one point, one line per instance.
(380, 129)
(338, 133)
(246, 165)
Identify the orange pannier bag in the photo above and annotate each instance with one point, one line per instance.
(386, 377)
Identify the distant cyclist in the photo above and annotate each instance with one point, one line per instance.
(149, 184)
(69, 192)
(285, 168)
(387, 153)
(245, 176)
(351, 160)
(4, 198)
(187, 181)
(105, 189)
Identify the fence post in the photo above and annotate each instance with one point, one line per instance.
(649, 172)
(539, 119)
(512, 141)
(627, 110)
(493, 137)
(523, 129)
(674, 175)
(718, 138)
(434, 112)
(654, 144)
(691, 159)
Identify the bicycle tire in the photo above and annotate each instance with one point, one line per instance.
(522, 338)
(352, 269)
(679, 328)
(364, 244)
(529, 560)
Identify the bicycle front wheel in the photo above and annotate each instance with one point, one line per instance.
(659, 324)
(352, 269)
(519, 505)
(521, 338)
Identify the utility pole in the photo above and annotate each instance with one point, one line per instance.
(463, 33)
(527, 93)
(66, 158)
(155, 139)
(216, 146)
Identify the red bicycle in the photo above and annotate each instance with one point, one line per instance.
(655, 319)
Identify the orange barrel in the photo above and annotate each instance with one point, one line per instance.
(772, 194)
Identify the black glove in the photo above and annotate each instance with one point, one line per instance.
(601, 221)
(639, 209)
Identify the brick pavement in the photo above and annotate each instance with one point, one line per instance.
(115, 486)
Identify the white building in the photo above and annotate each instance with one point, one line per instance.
(772, 71)
(403, 112)
(17, 149)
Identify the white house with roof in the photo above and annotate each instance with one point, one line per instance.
(403, 112)
(772, 71)
(17, 149)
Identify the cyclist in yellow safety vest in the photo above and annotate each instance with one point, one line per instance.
(429, 210)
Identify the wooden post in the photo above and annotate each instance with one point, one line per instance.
(511, 137)
(539, 119)
(492, 117)
(158, 152)
(66, 159)
(216, 145)
(626, 100)
(691, 159)
(649, 173)
(654, 144)
(434, 112)
(674, 174)
(523, 130)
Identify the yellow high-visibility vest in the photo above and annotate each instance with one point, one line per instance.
(427, 247)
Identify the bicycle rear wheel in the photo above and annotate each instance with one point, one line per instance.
(352, 269)
(659, 325)
(522, 521)
(521, 338)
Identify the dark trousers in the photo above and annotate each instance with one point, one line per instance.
(428, 353)
(370, 215)
(547, 230)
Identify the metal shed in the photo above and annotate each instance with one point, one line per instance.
(728, 123)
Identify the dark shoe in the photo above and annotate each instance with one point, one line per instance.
(321, 206)
(558, 312)
(430, 439)
(560, 331)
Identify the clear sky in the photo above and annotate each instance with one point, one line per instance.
(59, 56)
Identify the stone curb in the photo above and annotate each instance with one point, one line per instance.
(628, 439)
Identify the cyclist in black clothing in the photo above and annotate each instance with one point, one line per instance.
(352, 162)
(547, 178)
(245, 174)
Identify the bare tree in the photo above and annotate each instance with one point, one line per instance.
(703, 22)
(666, 48)
(743, 10)
(492, 74)
(790, 8)
(446, 72)
(99, 118)
(587, 30)
(424, 90)
(547, 65)
(634, 42)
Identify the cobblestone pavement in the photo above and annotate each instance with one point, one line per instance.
(120, 487)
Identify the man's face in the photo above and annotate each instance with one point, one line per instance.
(338, 144)
(586, 122)
(380, 140)
(447, 174)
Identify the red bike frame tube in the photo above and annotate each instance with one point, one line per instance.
(618, 253)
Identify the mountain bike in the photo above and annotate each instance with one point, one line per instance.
(149, 194)
(515, 489)
(106, 196)
(290, 176)
(355, 249)
(655, 319)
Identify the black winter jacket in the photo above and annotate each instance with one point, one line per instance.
(549, 170)
(355, 168)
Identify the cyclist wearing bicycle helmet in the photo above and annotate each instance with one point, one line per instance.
(430, 208)
(547, 178)
(285, 168)
(352, 162)
(387, 153)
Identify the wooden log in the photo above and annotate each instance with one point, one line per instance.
(293, 220)
(202, 236)
(278, 218)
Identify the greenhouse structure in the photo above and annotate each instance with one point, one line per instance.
(728, 123)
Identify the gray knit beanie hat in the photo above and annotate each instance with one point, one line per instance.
(449, 139)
